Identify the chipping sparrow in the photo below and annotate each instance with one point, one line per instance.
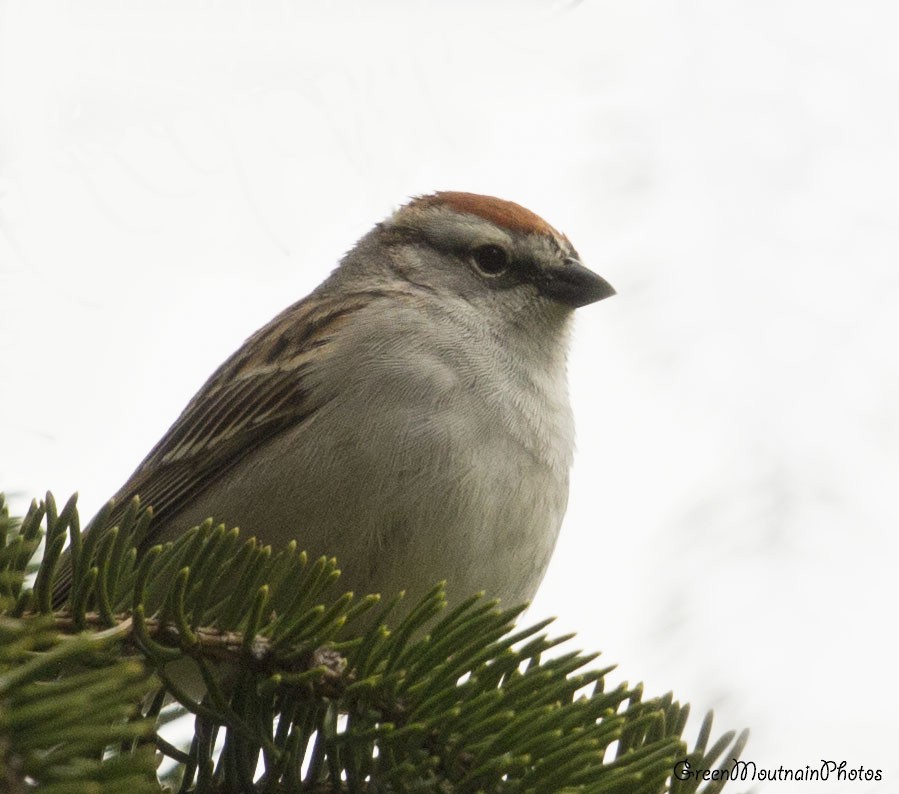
(410, 416)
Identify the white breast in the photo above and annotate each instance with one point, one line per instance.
(428, 463)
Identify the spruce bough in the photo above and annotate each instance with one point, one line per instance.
(307, 688)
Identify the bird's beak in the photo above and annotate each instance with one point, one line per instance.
(575, 286)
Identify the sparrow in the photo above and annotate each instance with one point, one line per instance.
(410, 416)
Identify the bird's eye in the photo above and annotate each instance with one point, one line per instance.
(491, 260)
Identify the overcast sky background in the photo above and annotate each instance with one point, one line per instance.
(174, 173)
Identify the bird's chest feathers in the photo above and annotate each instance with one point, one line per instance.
(497, 407)
(453, 389)
(530, 406)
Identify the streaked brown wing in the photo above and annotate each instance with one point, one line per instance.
(214, 433)
(256, 394)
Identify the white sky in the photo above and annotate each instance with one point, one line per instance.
(173, 174)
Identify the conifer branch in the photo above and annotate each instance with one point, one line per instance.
(306, 688)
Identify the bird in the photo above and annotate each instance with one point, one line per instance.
(410, 416)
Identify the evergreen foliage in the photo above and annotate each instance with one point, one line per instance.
(294, 685)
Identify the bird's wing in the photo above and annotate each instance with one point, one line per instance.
(261, 390)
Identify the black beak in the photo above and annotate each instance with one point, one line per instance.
(574, 285)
